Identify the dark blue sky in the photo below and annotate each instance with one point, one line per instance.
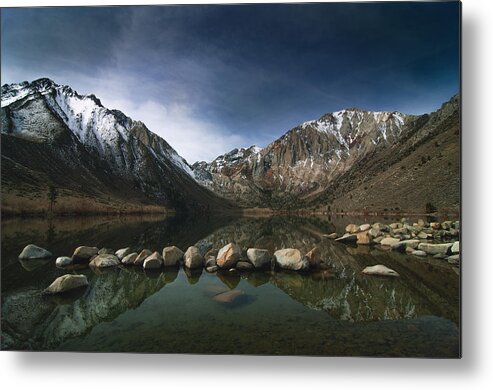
(210, 78)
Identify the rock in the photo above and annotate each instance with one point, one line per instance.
(172, 256)
(63, 261)
(363, 238)
(193, 258)
(259, 257)
(380, 226)
(375, 232)
(130, 258)
(121, 253)
(228, 296)
(455, 247)
(83, 254)
(446, 225)
(433, 249)
(388, 241)
(423, 235)
(153, 261)
(106, 251)
(210, 261)
(32, 251)
(435, 225)
(332, 236)
(395, 225)
(104, 261)
(347, 238)
(66, 283)
(400, 231)
(380, 270)
(422, 223)
(352, 228)
(244, 265)
(378, 240)
(419, 253)
(213, 268)
(144, 253)
(454, 259)
(403, 245)
(409, 249)
(228, 256)
(313, 258)
(439, 256)
(290, 259)
(364, 227)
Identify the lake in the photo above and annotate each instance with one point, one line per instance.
(333, 312)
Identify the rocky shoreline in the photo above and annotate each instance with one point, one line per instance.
(439, 240)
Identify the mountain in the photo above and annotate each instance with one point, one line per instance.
(92, 158)
(348, 161)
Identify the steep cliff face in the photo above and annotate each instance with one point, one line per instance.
(53, 136)
(319, 162)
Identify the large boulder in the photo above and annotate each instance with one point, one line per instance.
(291, 259)
(104, 261)
(144, 254)
(121, 253)
(172, 256)
(32, 251)
(313, 258)
(259, 257)
(352, 228)
(66, 283)
(130, 258)
(153, 261)
(193, 258)
(63, 261)
(83, 254)
(433, 249)
(389, 241)
(380, 270)
(228, 256)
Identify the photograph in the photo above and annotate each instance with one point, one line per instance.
(279, 179)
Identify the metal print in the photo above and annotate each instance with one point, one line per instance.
(278, 179)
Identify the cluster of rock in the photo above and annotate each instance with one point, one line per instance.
(418, 239)
(229, 258)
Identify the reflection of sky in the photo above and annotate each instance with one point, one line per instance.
(210, 78)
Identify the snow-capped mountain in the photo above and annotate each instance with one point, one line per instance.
(79, 132)
(308, 162)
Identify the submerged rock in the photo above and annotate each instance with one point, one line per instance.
(380, 270)
(212, 268)
(193, 258)
(121, 253)
(32, 251)
(260, 258)
(66, 283)
(63, 261)
(83, 254)
(228, 256)
(172, 256)
(291, 259)
(104, 261)
(153, 261)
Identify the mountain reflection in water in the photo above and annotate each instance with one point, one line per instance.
(338, 311)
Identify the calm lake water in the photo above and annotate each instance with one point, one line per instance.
(340, 312)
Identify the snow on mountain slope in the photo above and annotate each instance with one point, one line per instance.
(106, 131)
